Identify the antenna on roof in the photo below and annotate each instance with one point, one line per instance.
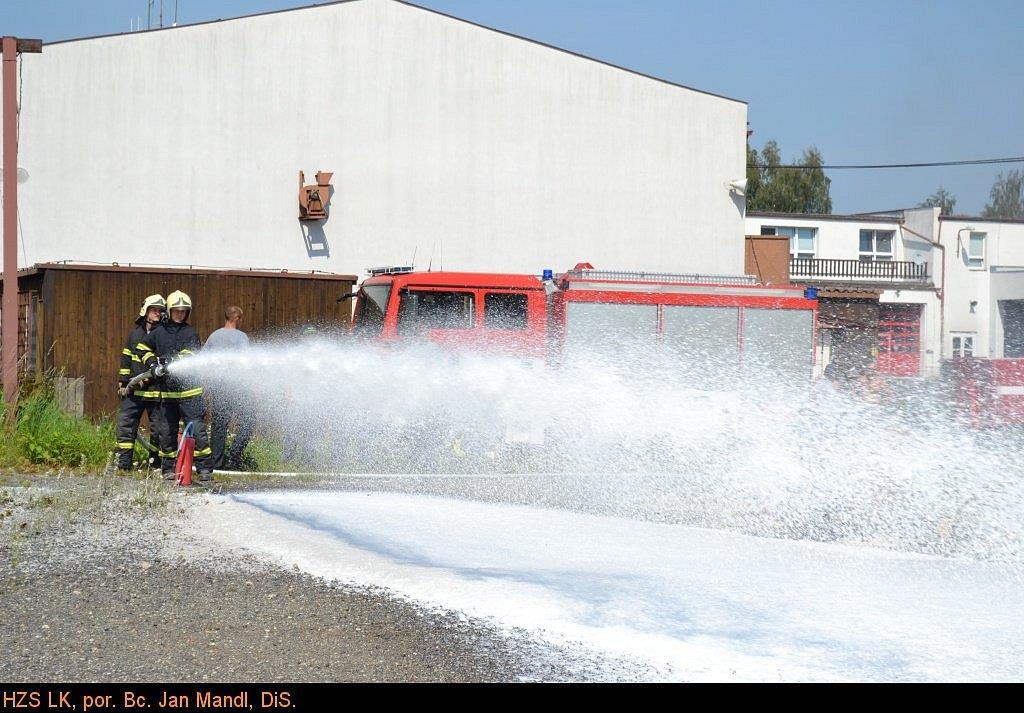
(413, 261)
(175, 13)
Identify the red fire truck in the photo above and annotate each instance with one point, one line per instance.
(695, 322)
(721, 318)
(989, 392)
(701, 331)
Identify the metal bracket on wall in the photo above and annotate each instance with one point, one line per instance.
(314, 198)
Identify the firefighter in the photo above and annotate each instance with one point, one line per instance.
(143, 399)
(181, 398)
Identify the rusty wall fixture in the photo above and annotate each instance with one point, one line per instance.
(313, 199)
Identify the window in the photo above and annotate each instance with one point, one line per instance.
(504, 310)
(427, 309)
(876, 245)
(1011, 313)
(370, 310)
(963, 345)
(802, 241)
(976, 251)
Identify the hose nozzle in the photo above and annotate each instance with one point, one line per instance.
(158, 370)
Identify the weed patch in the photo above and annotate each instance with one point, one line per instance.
(44, 435)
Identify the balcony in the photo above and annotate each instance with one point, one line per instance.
(878, 273)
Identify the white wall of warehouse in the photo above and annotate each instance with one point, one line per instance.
(474, 148)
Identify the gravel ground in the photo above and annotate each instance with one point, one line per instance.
(89, 593)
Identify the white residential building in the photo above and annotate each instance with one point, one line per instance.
(946, 286)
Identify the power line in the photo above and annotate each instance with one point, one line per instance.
(975, 162)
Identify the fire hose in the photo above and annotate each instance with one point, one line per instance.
(186, 446)
(158, 370)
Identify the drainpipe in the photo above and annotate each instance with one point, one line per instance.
(941, 290)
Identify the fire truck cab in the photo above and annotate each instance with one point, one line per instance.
(495, 311)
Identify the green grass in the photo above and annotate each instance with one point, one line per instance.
(267, 456)
(44, 435)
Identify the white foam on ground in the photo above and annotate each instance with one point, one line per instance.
(694, 604)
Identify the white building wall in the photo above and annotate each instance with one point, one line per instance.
(1000, 278)
(836, 239)
(455, 143)
(917, 244)
(920, 226)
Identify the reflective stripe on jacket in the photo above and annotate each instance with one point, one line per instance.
(132, 366)
(171, 341)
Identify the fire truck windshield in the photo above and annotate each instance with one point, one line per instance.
(370, 310)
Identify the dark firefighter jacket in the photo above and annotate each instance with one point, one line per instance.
(131, 364)
(171, 341)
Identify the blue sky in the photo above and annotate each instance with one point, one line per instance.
(866, 82)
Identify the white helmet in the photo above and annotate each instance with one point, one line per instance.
(179, 300)
(152, 301)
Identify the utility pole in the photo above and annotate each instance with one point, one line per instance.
(12, 47)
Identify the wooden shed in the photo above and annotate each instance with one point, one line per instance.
(76, 317)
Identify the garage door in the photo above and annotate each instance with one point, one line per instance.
(899, 339)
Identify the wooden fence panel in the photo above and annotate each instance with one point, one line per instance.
(91, 312)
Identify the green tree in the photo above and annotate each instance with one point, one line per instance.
(942, 199)
(753, 174)
(1006, 200)
(781, 189)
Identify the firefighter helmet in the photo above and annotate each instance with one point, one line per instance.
(152, 301)
(179, 300)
